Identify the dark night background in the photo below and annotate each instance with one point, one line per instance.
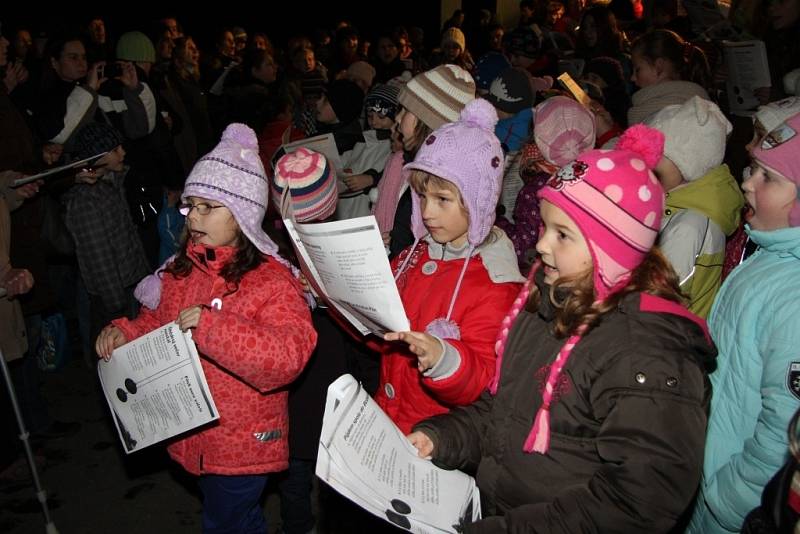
(278, 20)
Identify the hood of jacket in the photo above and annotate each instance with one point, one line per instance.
(716, 195)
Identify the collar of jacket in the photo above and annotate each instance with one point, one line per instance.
(210, 259)
(784, 241)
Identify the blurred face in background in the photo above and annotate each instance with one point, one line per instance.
(387, 50)
(783, 13)
(22, 43)
(71, 64)
(97, 31)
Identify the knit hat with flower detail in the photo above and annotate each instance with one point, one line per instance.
(311, 183)
(468, 154)
(232, 173)
(616, 202)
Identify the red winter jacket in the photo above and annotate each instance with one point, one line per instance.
(409, 397)
(258, 342)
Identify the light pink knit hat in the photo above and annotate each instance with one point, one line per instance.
(562, 129)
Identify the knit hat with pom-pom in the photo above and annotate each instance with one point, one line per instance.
(468, 154)
(616, 201)
(232, 174)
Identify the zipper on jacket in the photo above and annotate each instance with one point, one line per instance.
(201, 463)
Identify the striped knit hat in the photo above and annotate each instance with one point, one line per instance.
(616, 201)
(437, 96)
(232, 173)
(383, 100)
(311, 185)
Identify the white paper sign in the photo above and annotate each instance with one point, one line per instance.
(156, 388)
(365, 457)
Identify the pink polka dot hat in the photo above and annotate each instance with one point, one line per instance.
(616, 201)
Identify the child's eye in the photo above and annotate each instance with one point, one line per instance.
(444, 199)
(562, 236)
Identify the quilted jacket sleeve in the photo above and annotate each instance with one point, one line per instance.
(268, 350)
(479, 326)
(735, 488)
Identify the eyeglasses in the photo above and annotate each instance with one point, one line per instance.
(202, 208)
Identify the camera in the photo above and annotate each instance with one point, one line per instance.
(112, 70)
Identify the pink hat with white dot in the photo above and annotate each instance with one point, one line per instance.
(616, 201)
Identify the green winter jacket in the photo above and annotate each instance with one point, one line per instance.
(697, 218)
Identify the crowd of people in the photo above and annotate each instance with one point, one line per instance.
(600, 277)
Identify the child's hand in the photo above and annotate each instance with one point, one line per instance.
(427, 348)
(109, 339)
(51, 152)
(387, 238)
(422, 442)
(358, 182)
(189, 318)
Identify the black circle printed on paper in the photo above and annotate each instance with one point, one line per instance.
(130, 385)
(401, 507)
(399, 520)
(122, 395)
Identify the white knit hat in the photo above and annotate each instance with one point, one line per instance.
(695, 134)
(437, 96)
(774, 114)
(454, 35)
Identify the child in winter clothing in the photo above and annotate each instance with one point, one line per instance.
(110, 255)
(703, 203)
(456, 280)
(366, 161)
(755, 322)
(251, 326)
(596, 417)
(512, 96)
(563, 130)
(428, 101)
(668, 71)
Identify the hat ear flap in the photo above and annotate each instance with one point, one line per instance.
(702, 110)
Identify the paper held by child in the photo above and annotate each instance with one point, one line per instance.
(49, 172)
(156, 388)
(346, 264)
(574, 89)
(366, 458)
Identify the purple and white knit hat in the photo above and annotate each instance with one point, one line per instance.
(232, 173)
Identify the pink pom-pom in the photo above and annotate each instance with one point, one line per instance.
(444, 329)
(481, 113)
(241, 134)
(645, 141)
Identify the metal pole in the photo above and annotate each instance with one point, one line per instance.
(41, 494)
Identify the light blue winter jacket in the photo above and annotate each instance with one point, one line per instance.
(755, 322)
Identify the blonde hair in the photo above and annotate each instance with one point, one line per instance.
(421, 181)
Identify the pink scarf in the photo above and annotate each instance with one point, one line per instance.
(389, 191)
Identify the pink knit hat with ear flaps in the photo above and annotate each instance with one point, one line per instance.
(616, 201)
(778, 151)
(468, 154)
(232, 173)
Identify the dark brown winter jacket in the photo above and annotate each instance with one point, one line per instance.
(628, 425)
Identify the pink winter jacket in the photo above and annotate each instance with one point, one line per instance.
(254, 345)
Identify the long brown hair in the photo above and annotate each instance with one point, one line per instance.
(654, 275)
(247, 258)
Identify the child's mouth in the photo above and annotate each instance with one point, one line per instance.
(748, 212)
(196, 235)
(550, 271)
